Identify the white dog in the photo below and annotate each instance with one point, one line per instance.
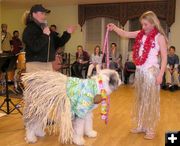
(64, 100)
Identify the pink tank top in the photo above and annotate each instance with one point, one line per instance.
(152, 59)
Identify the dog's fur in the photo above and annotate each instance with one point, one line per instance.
(81, 126)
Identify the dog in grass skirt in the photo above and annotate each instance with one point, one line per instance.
(66, 101)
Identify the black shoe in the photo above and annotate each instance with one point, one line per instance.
(164, 87)
(176, 87)
(172, 88)
(125, 82)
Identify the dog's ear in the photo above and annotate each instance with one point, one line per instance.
(113, 81)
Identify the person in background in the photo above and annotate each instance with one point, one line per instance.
(96, 61)
(171, 75)
(6, 47)
(114, 57)
(53, 28)
(81, 63)
(6, 39)
(16, 42)
(39, 41)
(57, 63)
(129, 67)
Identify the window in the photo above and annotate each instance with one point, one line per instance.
(134, 25)
(95, 30)
(93, 33)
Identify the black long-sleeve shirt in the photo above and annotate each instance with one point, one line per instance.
(37, 43)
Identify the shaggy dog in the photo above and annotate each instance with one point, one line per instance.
(66, 101)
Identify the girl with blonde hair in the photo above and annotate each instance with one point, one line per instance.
(149, 43)
(96, 61)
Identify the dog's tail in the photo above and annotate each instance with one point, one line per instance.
(45, 98)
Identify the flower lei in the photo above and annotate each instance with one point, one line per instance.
(105, 101)
(140, 60)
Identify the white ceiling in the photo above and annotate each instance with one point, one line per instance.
(27, 3)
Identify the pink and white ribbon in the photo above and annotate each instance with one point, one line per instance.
(105, 49)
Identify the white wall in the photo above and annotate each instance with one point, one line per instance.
(124, 45)
(175, 30)
(63, 16)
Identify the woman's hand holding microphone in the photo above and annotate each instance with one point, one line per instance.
(46, 30)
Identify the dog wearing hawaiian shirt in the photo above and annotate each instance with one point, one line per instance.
(68, 102)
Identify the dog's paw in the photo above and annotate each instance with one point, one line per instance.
(91, 133)
(40, 133)
(31, 139)
(78, 140)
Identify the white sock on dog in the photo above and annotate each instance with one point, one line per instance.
(78, 126)
(30, 135)
(89, 126)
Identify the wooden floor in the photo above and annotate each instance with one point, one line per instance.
(116, 133)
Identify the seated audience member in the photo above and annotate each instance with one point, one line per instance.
(16, 42)
(129, 68)
(96, 61)
(57, 63)
(81, 63)
(171, 75)
(114, 57)
(6, 39)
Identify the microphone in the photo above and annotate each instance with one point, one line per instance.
(45, 24)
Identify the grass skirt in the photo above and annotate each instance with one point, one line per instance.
(146, 112)
(45, 98)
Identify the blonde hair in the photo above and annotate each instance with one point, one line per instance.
(27, 17)
(153, 19)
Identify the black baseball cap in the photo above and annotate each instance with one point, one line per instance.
(39, 8)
